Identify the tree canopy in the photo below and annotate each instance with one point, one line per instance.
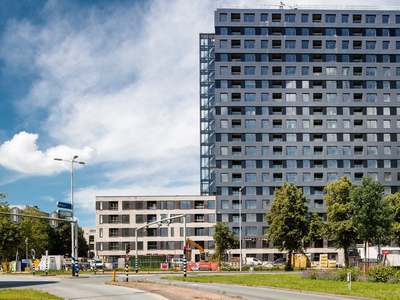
(340, 211)
(35, 233)
(393, 201)
(372, 220)
(224, 240)
(287, 221)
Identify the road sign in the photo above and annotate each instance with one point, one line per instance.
(64, 213)
(64, 205)
(15, 218)
(53, 223)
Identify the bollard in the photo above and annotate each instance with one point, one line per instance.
(184, 266)
(114, 275)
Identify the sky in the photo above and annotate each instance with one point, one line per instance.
(115, 83)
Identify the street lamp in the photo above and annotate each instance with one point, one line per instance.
(240, 227)
(74, 225)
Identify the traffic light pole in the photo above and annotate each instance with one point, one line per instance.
(127, 250)
(159, 224)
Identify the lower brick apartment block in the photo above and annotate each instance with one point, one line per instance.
(118, 217)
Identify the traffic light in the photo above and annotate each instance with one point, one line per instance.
(127, 248)
(184, 250)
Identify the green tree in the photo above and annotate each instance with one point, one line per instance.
(393, 201)
(316, 227)
(339, 209)
(224, 240)
(36, 230)
(60, 243)
(287, 221)
(372, 218)
(9, 233)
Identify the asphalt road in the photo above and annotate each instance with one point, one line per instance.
(76, 288)
(92, 287)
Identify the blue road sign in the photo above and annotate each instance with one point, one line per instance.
(64, 213)
(64, 205)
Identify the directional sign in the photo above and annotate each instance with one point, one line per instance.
(64, 213)
(15, 218)
(64, 205)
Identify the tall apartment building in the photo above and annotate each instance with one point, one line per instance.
(299, 95)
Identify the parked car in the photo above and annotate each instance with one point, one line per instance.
(97, 263)
(279, 262)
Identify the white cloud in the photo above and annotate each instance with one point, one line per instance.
(21, 154)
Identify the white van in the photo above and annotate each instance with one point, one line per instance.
(176, 262)
(253, 261)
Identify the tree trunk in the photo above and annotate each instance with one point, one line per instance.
(288, 265)
(346, 257)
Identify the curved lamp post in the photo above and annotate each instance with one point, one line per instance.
(74, 225)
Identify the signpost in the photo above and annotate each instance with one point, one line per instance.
(64, 205)
(64, 213)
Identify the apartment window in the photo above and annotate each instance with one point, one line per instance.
(304, 44)
(371, 71)
(113, 219)
(290, 44)
(249, 57)
(249, 97)
(290, 70)
(249, 44)
(385, 19)
(291, 177)
(387, 150)
(264, 70)
(331, 150)
(249, 84)
(330, 44)
(249, 70)
(250, 177)
(370, 45)
(290, 58)
(113, 205)
(385, 45)
(372, 123)
(250, 124)
(264, 17)
(331, 123)
(291, 150)
(330, 31)
(290, 18)
(250, 150)
(372, 150)
(304, 18)
(249, 17)
(370, 32)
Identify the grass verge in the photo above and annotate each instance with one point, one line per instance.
(384, 291)
(26, 294)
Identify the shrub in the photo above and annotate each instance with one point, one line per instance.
(308, 274)
(381, 273)
(342, 274)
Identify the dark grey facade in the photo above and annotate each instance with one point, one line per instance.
(299, 95)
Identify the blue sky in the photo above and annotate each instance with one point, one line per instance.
(114, 82)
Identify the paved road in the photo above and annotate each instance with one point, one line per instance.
(92, 287)
(76, 288)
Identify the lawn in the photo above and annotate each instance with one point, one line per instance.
(370, 290)
(26, 294)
